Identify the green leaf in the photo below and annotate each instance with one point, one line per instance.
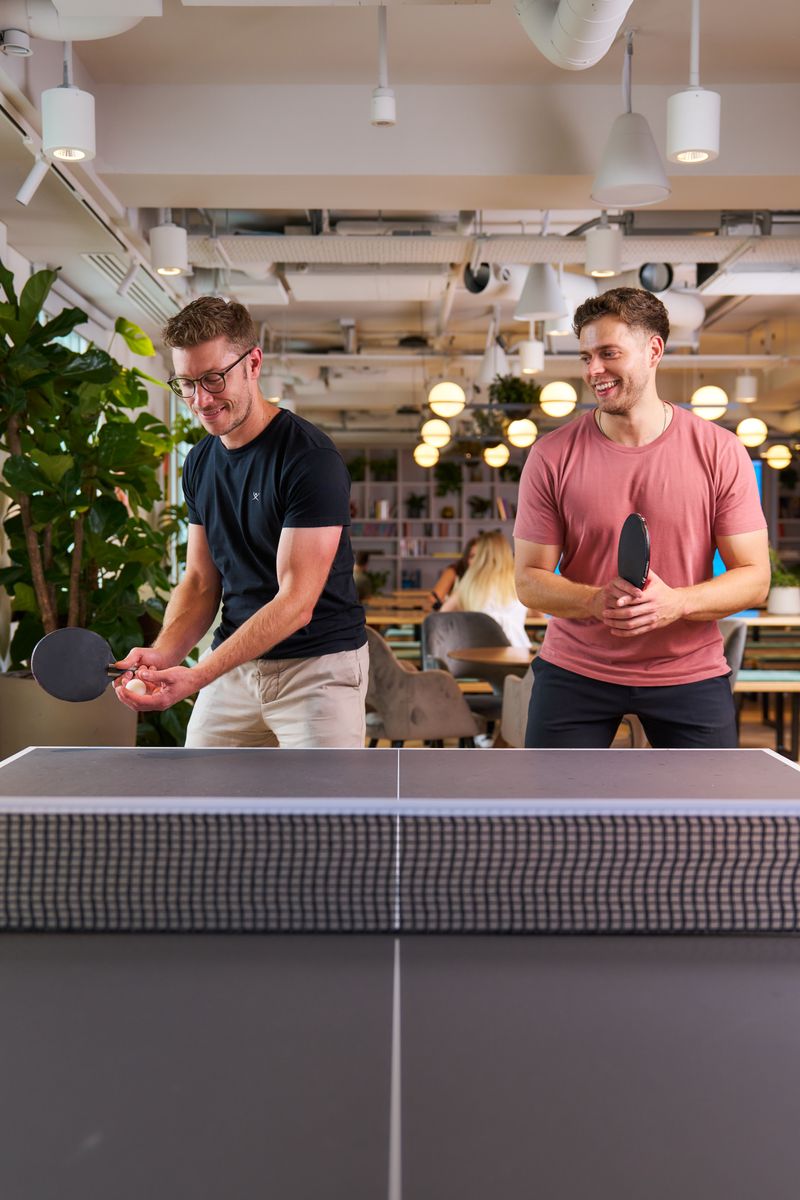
(93, 366)
(53, 466)
(118, 445)
(67, 320)
(24, 599)
(22, 475)
(134, 338)
(31, 300)
(150, 378)
(7, 283)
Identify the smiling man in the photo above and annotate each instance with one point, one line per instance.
(269, 505)
(612, 648)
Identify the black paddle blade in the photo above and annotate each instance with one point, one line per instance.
(73, 664)
(633, 556)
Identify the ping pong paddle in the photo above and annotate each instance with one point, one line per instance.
(633, 554)
(74, 664)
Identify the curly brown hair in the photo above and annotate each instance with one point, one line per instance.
(211, 317)
(632, 306)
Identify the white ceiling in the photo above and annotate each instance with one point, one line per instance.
(254, 118)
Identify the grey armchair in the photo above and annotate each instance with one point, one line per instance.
(456, 631)
(404, 704)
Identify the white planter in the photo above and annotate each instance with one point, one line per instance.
(784, 601)
(30, 717)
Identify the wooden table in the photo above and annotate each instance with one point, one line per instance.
(513, 659)
(379, 617)
(779, 684)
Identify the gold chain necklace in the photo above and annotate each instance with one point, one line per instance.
(664, 405)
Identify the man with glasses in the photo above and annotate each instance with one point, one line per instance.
(269, 505)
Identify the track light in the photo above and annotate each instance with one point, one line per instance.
(15, 43)
(558, 399)
(426, 456)
(631, 174)
(446, 399)
(32, 180)
(125, 284)
(169, 249)
(693, 114)
(435, 433)
(68, 119)
(603, 249)
(751, 431)
(496, 456)
(541, 296)
(746, 389)
(710, 402)
(383, 110)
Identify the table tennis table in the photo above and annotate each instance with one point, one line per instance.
(413, 1057)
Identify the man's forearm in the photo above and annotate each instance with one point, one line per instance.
(550, 593)
(188, 616)
(273, 623)
(737, 588)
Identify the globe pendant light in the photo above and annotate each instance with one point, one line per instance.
(710, 402)
(426, 456)
(522, 433)
(496, 456)
(778, 457)
(693, 114)
(435, 433)
(558, 399)
(631, 174)
(446, 399)
(751, 431)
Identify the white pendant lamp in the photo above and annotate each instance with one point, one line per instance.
(68, 119)
(169, 249)
(435, 433)
(426, 456)
(778, 457)
(383, 110)
(272, 388)
(751, 431)
(496, 456)
(631, 174)
(522, 433)
(541, 296)
(493, 363)
(558, 399)
(603, 249)
(575, 290)
(693, 115)
(710, 402)
(531, 356)
(746, 389)
(446, 399)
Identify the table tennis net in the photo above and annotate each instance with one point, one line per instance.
(361, 873)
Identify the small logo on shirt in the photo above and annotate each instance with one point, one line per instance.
(256, 495)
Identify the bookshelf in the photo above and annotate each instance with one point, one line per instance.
(411, 532)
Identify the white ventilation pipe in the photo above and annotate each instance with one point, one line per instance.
(573, 34)
(41, 19)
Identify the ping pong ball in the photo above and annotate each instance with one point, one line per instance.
(137, 686)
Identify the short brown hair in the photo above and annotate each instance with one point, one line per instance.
(211, 317)
(632, 306)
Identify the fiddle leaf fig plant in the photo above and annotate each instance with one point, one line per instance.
(82, 473)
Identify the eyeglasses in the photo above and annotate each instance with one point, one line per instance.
(212, 381)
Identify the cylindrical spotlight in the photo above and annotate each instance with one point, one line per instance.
(531, 357)
(496, 456)
(272, 388)
(710, 402)
(778, 457)
(746, 389)
(751, 431)
(435, 433)
(446, 399)
(68, 124)
(558, 399)
(32, 180)
(384, 109)
(603, 251)
(169, 249)
(426, 456)
(522, 433)
(693, 126)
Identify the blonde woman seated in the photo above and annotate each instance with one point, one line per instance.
(488, 586)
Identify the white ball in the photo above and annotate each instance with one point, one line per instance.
(137, 686)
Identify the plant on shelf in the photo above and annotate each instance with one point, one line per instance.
(448, 477)
(509, 391)
(479, 506)
(383, 470)
(377, 581)
(82, 478)
(416, 504)
(784, 592)
(510, 472)
(358, 468)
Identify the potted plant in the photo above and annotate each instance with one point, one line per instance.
(81, 476)
(416, 504)
(784, 592)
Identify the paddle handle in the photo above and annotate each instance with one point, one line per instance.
(115, 672)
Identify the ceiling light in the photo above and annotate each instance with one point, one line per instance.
(493, 363)
(710, 402)
(496, 456)
(125, 284)
(558, 399)
(603, 249)
(751, 431)
(778, 457)
(16, 43)
(426, 456)
(631, 174)
(169, 249)
(68, 119)
(693, 114)
(531, 357)
(541, 296)
(746, 389)
(446, 399)
(383, 109)
(435, 433)
(32, 180)
(575, 289)
(272, 388)
(522, 433)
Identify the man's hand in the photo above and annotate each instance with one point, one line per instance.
(612, 597)
(164, 688)
(141, 656)
(633, 612)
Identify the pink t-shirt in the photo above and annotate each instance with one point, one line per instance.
(693, 484)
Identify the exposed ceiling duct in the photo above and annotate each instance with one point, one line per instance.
(573, 34)
(59, 23)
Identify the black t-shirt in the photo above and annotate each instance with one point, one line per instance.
(291, 476)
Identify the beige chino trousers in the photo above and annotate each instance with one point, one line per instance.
(295, 703)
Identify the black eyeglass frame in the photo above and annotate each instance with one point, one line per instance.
(175, 381)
